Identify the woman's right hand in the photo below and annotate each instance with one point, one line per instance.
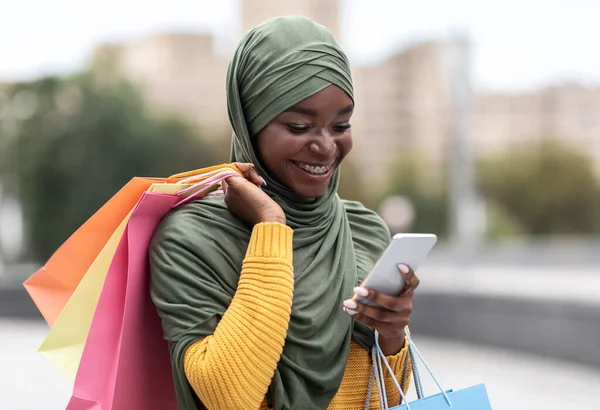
(247, 201)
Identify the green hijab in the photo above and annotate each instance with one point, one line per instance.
(197, 252)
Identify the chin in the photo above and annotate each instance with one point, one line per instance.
(311, 190)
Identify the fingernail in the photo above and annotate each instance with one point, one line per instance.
(263, 180)
(350, 304)
(360, 291)
(403, 268)
(351, 312)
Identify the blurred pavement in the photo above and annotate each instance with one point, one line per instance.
(574, 284)
(514, 381)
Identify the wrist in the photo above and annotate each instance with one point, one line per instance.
(391, 346)
(275, 217)
(280, 220)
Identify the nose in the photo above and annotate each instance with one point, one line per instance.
(324, 145)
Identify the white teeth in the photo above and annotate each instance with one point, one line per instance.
(315, 170)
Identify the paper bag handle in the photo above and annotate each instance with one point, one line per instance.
(202, 173)
(203, 187)
(378, 356)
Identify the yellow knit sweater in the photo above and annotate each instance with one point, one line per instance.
(227, 375)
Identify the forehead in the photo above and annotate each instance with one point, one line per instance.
(330, 99)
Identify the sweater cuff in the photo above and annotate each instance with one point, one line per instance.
(271, 240)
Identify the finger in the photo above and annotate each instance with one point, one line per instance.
(244, 166)
(255, 178)
(250, 173)
(365, 320)
(377, 313)
(224, 186)
(411, 280)
(384, 329)
(236, 184)
(388, 302)
(234, 180)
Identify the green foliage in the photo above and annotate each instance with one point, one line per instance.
(546, 188)
(500, 224)
(430, 201)
(221, 148)
(86, 139)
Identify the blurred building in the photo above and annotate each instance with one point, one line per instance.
(184, 73)
(402, 105)
(403, 102)
(567, 112)
(179, 72)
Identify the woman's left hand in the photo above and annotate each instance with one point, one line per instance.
(392, 313)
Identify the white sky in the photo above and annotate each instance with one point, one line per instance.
(517, 43)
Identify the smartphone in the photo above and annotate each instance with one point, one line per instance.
(405, 248)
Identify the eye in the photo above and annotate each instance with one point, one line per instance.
(341, 127)
(298, 128)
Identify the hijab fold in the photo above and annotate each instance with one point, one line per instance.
(276, 65)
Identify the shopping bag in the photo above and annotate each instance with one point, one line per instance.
(63, 346)
(470, 398)
(126, 361)
(64, 343)
(53, 284)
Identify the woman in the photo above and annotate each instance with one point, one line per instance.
(255, 288)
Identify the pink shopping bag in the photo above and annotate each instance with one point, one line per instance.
(126, 362)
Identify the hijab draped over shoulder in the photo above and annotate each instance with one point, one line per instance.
(275, 66)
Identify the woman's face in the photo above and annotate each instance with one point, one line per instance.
(303, 146)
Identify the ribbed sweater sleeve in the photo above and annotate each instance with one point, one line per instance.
(232, 368)
(353, 390)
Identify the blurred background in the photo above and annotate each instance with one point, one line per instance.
(477, 121)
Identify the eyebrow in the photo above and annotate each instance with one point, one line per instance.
(313, 113)
(346, 110)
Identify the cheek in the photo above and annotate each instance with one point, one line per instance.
(276, 147)
(266, 145)
(346, 144)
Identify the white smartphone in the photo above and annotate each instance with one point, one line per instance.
(405, 248)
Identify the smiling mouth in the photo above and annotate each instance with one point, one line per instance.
(316, 170)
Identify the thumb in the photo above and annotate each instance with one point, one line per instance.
(234, 180)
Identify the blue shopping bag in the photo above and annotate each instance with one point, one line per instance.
(470, 398)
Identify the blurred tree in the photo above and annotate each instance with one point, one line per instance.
(87, 138)
(406, 178)
(500, 224)
(546, 188)
(221, 148)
